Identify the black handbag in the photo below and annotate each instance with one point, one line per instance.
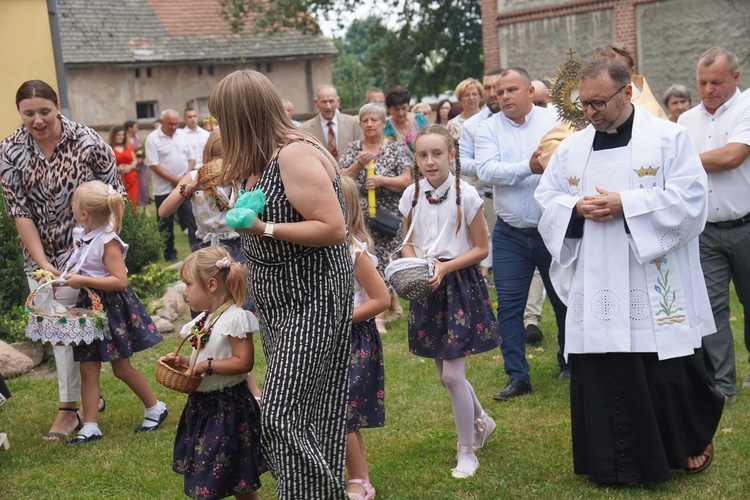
(385, 223)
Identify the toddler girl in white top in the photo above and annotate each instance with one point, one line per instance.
(456, 319)
(98, 263)
(217, 448)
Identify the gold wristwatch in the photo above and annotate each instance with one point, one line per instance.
(268, 232)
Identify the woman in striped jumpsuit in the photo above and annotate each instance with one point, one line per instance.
(300, 278)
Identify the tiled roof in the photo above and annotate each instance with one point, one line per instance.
(131, 31)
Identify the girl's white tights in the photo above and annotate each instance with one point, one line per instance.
(466, 407)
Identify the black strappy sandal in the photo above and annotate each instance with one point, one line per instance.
(56, 436)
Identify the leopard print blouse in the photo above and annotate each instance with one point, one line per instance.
(42, 190)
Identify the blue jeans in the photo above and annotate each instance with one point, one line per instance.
(515, 254)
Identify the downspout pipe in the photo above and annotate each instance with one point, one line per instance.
(62, 83)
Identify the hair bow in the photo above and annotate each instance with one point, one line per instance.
(223, 263)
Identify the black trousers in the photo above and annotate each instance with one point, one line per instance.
(166, 225)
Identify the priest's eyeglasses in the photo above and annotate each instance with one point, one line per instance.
(596, 105)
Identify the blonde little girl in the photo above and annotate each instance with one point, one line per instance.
(443, 215)
(98, 263)
(217, 448)
(366, 381)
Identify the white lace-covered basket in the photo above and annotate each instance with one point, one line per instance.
(409, 276)
(69, 327)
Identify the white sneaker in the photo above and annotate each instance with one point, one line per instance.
(484, 426)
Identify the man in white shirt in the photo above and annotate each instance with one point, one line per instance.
(720, 129)
(624, 202)
(507, 158)
(375, 94)
(195, 135)
(532, 315)
(169, 156)
(334, 130)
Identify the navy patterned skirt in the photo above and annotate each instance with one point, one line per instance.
(217, 448)
(366, 378)
(130, 327)
(455, 320)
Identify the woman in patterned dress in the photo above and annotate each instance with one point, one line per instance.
(300, 279)
(392, 176)
(41, 164)
(402, 126)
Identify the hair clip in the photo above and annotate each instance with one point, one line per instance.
(223, 263)
(110, 189)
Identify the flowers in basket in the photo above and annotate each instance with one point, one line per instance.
(51, 322)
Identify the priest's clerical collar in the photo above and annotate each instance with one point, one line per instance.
(617, 138)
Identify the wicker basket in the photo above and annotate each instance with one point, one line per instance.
(73, 326)
(409, 276)
(178, 377)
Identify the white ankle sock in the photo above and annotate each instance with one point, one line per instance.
(90, 429)
(154, 412)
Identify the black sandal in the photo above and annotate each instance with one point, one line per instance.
(56, 436)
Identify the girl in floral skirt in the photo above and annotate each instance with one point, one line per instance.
(217, 447)
(98, 263)
(455, 320)
(366, 383)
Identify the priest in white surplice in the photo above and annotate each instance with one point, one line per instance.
(623, 203)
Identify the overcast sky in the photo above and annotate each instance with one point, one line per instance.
(366, 7)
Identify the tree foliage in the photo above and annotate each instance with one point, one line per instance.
(430, 47)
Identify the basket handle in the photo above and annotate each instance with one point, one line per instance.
(193, 355)
(401, 247)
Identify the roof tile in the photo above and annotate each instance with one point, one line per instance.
(131, 31)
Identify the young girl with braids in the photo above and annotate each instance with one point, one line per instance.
(366, 381)
(456, 319)
(217, 448)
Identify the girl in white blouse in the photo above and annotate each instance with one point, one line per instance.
(456, 319)
(221, 420)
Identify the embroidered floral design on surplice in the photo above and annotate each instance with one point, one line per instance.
(667, 314)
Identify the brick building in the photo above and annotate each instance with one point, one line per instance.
(665, 36)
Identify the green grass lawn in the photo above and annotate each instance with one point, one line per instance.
(528, 457)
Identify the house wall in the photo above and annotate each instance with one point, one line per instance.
(539, 46)
(103, 96)
(26, 54)
(665, 36)
(673, 34)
